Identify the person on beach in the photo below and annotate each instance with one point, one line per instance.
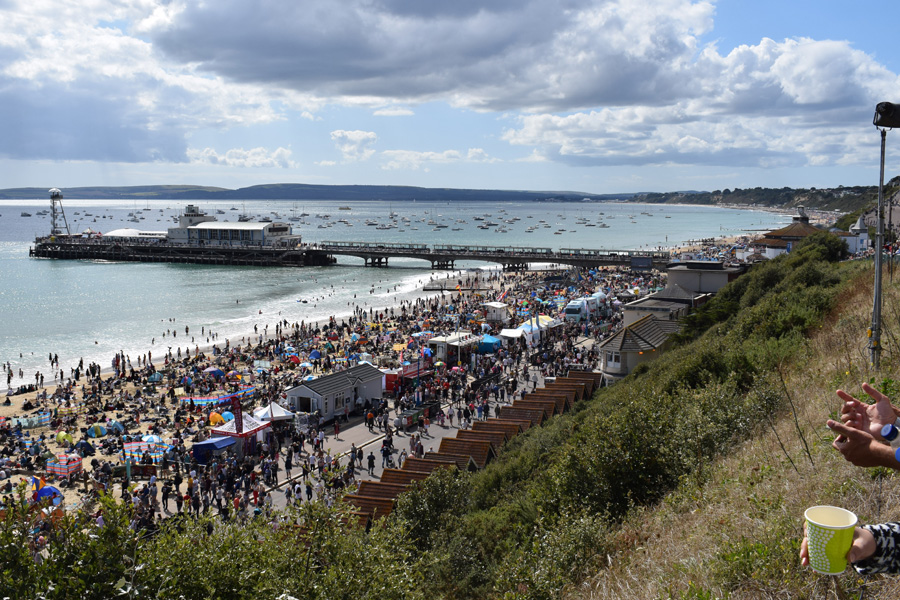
(875, 548)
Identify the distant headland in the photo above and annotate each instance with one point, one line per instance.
(841, 198)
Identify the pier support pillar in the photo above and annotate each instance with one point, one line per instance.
(376, 261)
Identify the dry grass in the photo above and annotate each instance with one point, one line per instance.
(736, 534)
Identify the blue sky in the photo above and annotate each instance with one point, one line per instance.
(599, 96)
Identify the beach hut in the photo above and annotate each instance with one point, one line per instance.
(496, 312)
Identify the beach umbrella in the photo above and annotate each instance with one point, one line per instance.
(214, 371)
(290, 349)
(294, 359)
(234, 374)
(187, 381)
(152, 439)
(228, 416)
(309, 378)
(354, 336)
(315, 354)
(307, 365)
(456, 369)
(155, 377)
(96, 430)
(215, 418)
(405, 362)
(62, 436)
(439, 363)
(116, 425)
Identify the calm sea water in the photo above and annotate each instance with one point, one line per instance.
(91, 310)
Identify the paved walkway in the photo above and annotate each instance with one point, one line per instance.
(370, 441)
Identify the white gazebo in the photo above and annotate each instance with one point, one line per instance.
(272, 412)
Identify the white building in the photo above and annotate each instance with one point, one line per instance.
(199, 229)
(330, 394)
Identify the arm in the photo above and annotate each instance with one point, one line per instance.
(881, 550)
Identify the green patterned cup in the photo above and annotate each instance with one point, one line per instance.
(829, 531)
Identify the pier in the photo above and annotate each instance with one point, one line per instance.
(374, 254)
(511, 258)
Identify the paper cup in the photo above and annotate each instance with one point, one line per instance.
(829, 531)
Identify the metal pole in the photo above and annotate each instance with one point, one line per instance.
(875, 329)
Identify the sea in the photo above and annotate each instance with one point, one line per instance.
(90, 310)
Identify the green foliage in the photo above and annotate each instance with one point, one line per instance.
(825, 245)
(561, 550)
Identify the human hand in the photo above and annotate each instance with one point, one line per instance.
(861, 448)
(867, 417)
(863, 546)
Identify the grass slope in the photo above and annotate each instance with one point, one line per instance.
(733, 529)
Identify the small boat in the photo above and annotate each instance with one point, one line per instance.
(25, 214)
(344, 208)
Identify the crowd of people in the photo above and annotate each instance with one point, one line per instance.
(155, 396)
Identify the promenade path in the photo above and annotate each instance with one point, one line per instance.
(370, 441)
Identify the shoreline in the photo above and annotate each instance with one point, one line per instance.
(242, 338)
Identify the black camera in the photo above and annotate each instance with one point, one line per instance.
(887, 115)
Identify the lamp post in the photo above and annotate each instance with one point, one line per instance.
(887, 116)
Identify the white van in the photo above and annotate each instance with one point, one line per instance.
(577, 310)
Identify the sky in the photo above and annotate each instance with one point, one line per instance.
(598, 96)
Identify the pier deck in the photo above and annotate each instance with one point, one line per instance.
(374, 254)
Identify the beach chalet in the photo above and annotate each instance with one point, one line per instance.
(457, 347)
(199, 229)
(637, 343)
(496, 312)
(329, 394)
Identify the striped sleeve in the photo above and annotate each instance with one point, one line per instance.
(887, 550)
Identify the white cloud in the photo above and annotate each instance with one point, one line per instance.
(354, 145)
(414, 160)
(325, 163)
(393, 111)
(586, 82)
(774, 104)
(505, 54)
(238, 157)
